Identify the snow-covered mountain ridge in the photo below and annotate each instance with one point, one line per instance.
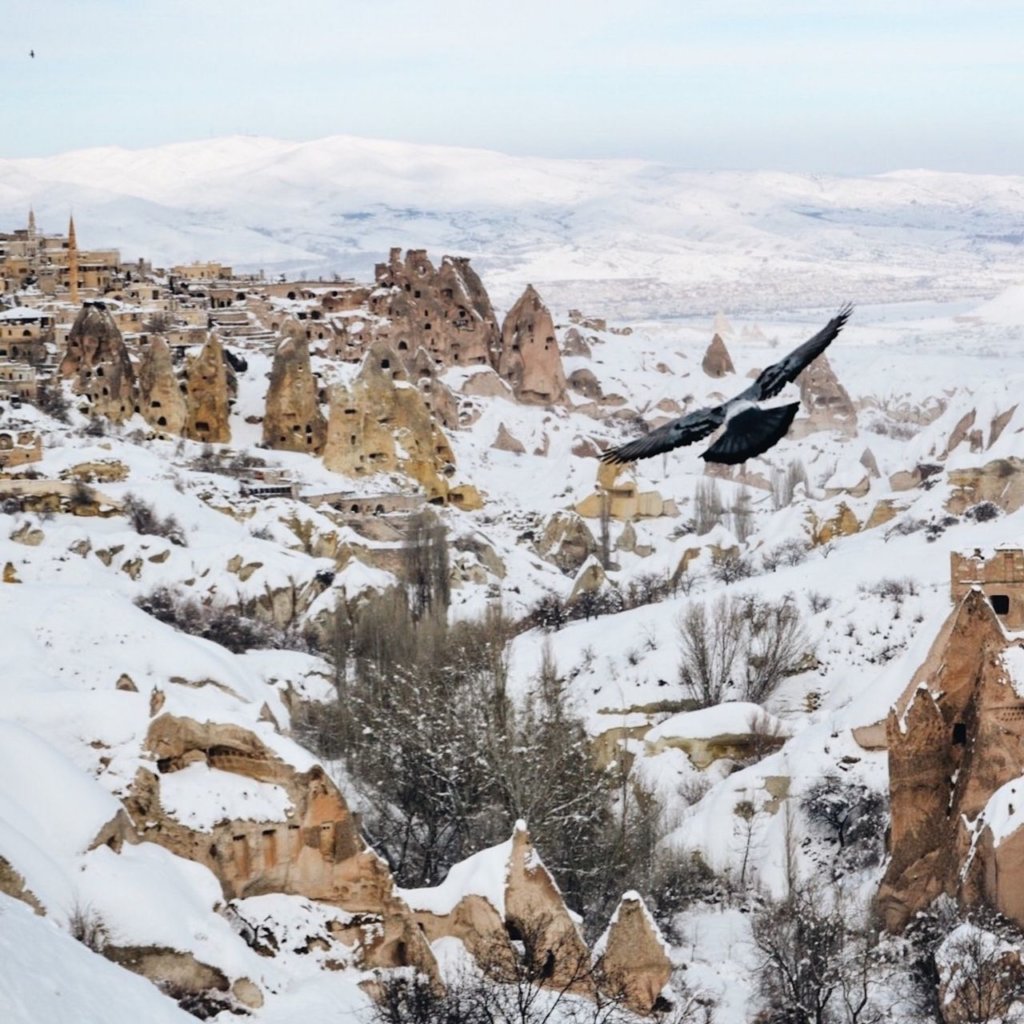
(648, 239)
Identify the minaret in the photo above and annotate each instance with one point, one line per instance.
(31, 223)
(72, 262)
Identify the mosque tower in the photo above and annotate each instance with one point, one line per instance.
(72, 262)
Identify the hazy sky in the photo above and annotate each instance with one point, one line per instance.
(851, 87)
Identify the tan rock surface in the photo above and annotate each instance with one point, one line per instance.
(528, 358)
(209, 394)
(635, 957)
(161, 401)
(293, 420)
(381, 425)
(98, 360)
(717, 362)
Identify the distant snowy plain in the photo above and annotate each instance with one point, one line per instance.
(637, 239)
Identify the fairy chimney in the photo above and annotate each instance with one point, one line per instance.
(634, 955)
(161, 401)
(528, 357)
(381, 424)
(717, 361)
(209, 394)
(445, 310)
(293, 420)
(98, 360)
(827, 403)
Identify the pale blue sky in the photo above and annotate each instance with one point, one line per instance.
(847, 87)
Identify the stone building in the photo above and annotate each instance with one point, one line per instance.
(999, 575)
(24, 334)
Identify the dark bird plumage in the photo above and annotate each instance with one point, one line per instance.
(749, 429)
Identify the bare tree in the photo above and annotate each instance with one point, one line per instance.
(711, 645)
(982, 974)
(739, 646)
(425, 560)
(817, 961)
(708, 509)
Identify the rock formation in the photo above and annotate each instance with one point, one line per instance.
(98, 360)
(293, 420)
(209, 394)
(446, 310)
(528, 357)
(314, 851)
(956, 750)
(634, 956)
(567, 541)
(161, 401)
(717, 362)
(1000, 481)
(527, 908)
(381, 424)
(826, 401)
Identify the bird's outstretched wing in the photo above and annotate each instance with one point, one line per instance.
(750, 433)
(694, 426)
(774, 378)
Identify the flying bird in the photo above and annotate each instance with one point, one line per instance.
(749, 429)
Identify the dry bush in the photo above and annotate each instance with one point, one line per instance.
(87, 926)
(708, 510)
(738, 647)
(146, 521)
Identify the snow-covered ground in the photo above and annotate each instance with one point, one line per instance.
(933, 263)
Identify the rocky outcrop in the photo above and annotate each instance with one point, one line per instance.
(717, 362)
(621, 499)
(528, 357)
(825, 401)
(1000, 481)
(97, 359)
(293, 420)
(381, 424)
(313, 850)
(525, 906)
(161, 401)
(445, 310)
(209, 386)
(634, 956)
(567, 541)
(955, 738)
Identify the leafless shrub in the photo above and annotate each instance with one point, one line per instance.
(96, 427)
(741, 646)
(732, 567)
(891, 588)
(425, 563)
(766, 733)
(852, 816)
(708, 510)
(785, 483)
(87, 926)
(818, 962)
(144, 519)
(788, 553)
(983, 512)
(980, 968)
(818, 602)
(742, 515)
(230, 627)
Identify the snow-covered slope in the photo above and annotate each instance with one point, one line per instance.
(648, 239)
